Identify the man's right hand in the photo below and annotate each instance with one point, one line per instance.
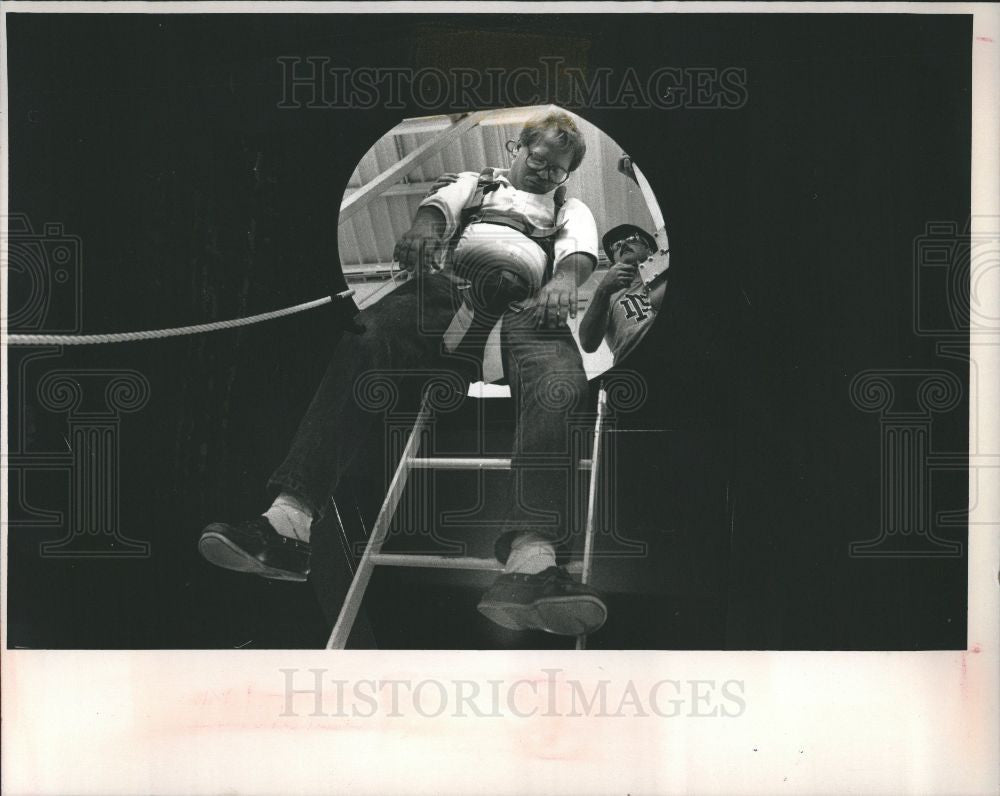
(617, 278)
(418, 248)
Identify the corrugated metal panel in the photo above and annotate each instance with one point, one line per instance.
(369, 237)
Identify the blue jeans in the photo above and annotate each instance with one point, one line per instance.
(403, 340)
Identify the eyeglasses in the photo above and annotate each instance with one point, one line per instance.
(635, 237)
(557, 175)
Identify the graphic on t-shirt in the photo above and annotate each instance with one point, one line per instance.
(636, 306)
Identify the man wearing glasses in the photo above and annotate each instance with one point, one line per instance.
(520, 226)
(510, 240)
(623, 307)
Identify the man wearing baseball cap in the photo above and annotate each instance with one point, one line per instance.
(623, 307)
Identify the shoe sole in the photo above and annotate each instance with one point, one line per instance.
(561, 616)
(219, 550)
(571, 616)
(513, 616)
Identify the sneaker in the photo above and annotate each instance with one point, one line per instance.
(255, 547)
(551, 601)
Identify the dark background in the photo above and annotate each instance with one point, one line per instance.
(157, 140)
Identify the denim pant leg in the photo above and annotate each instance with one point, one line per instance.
(548, 385)
(402, 337)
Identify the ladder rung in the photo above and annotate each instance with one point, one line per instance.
(448, 562)
(485, 463)
(435, 562)
(446, 463)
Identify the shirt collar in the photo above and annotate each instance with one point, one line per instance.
(501, 176)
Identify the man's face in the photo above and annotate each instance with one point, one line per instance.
(528, 171)
(630, 251)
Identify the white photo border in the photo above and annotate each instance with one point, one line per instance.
(817, 722)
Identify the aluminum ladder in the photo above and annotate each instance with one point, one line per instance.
(409, 461)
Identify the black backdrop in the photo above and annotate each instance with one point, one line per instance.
(158, 141)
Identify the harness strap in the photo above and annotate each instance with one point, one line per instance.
(497, 218)
(473, 211)
(487, 184)
(558, 200)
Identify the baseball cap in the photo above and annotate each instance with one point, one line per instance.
(623, 231)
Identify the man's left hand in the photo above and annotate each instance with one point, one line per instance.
(445, 179)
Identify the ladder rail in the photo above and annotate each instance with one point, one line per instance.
(595, 468)
(588, 538)
(355, 594)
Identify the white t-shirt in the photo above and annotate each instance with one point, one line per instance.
(578, 233)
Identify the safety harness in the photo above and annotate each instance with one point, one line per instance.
(477, 322)
(474, 213)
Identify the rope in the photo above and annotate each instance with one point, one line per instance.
(156, 334)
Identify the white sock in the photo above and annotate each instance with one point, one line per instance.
(290, 517)
(530, 554)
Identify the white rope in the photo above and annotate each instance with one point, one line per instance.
(156, 334)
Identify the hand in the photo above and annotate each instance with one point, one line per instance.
(417, 249)
(554, 303)
(445, 179)
(617, 278)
